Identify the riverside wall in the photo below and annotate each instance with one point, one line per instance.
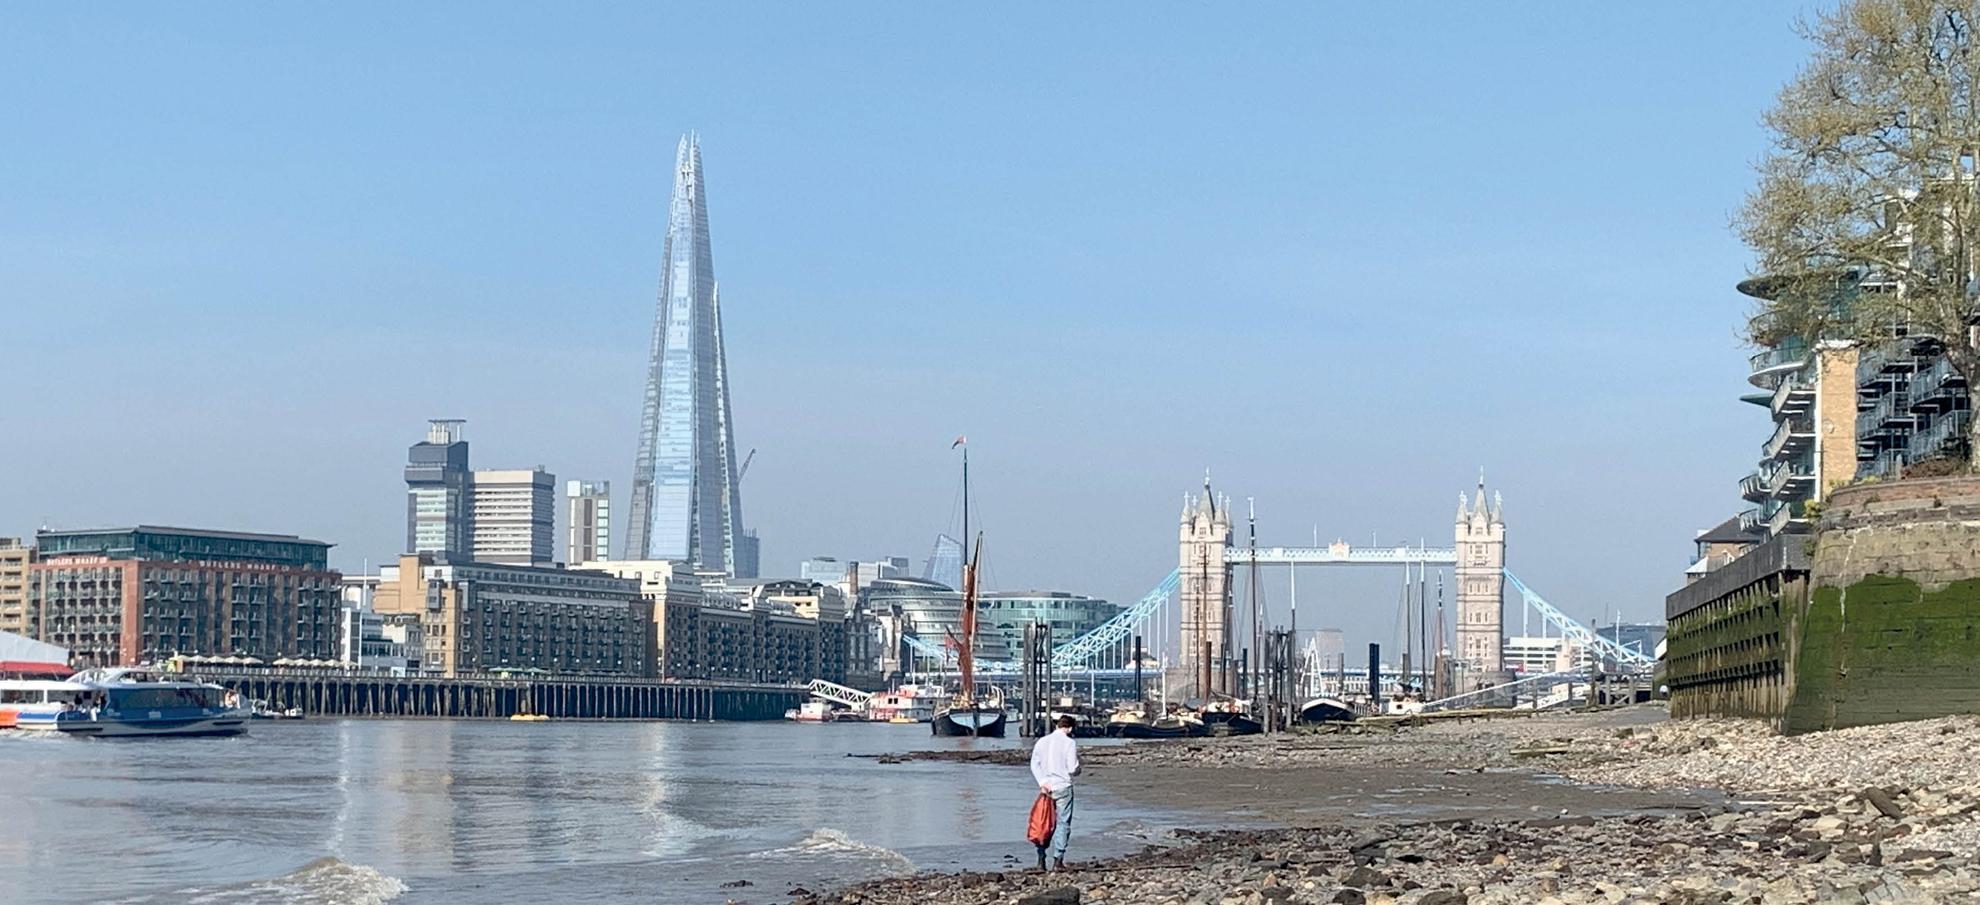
(1875, 618)
(1891, 627)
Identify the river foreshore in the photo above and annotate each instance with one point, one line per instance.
(1621, 806)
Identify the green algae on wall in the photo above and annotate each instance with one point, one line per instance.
(1884, 650)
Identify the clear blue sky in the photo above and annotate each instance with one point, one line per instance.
(1342, 254)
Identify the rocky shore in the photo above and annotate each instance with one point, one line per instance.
(1885, 814)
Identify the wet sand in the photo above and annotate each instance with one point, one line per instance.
(1359, 795)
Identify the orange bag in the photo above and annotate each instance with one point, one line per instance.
(1044, 820)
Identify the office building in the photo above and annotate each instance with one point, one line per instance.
(14, 559)
(589, 521)
(851, 575)
(477, 617)
(931, 613)
(514, 514)
(685, 502)
(438, 508)
(1536, 655)
(1070, 616)
(945, 562)
(124, 596)
(370, 640)
(749, 555)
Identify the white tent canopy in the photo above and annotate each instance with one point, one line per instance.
(21, 647)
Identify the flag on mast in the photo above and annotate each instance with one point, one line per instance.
(960, 440)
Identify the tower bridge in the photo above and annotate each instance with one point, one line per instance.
(1196, 603)
(1210, 650)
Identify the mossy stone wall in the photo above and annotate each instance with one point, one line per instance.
(1890, 629)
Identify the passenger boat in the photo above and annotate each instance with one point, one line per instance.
(906, 704)
(810, 712)
(966, 713)
(262, 710)
(18, 696)
(108, 703)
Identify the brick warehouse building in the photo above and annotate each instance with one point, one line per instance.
(122, 596)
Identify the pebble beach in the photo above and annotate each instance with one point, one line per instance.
(1622, 806)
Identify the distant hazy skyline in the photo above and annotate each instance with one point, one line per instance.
(1341, 255)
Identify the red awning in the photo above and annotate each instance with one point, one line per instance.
(32, 668)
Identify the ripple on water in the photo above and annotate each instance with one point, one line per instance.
(324, 881)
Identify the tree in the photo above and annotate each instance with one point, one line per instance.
(1866, 212)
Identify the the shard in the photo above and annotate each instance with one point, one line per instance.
(685, 505)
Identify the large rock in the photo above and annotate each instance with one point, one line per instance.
(1064, 895)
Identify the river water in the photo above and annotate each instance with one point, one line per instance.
(445, 811)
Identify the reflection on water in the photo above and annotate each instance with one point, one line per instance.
(458, 811)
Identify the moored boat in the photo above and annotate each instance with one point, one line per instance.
(1230, 718)
(906, 704)
(1326, 710)
(971, 718)
(123, 702)
(966, 714)
(810, 712)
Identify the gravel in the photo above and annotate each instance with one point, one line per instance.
(1884, 814)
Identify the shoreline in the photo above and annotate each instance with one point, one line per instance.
(1559, 809)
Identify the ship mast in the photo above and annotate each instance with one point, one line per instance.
(967, 653)
(966, 649)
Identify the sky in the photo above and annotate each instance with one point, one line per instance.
(1341, 255)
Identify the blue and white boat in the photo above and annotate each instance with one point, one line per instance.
(127, 702)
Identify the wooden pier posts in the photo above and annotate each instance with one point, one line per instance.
(339, 694)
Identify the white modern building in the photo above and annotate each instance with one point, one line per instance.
(588, 519)
(514, 514)
(1532, 655)
(827, 570)
(370, 640)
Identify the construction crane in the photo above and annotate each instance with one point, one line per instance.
(745, 465)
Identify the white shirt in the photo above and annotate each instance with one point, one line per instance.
(1055, 760)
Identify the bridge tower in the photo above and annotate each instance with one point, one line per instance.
(1480, 579)
(1203, 594)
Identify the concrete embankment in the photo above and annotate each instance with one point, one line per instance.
(1873, 619)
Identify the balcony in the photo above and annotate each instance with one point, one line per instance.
(1888, 364)
(1785, 517)
(1769, 365)
(1753, 488)
(1888, 419)
(1946, 435)
(1795, 394)
(1937, 388)
(1790, 436)
(1789, 480)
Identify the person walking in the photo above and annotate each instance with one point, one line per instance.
(1054, 763)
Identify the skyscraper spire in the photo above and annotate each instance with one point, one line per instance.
(685, 504)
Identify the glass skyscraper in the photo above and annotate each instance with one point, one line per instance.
(684, 501)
